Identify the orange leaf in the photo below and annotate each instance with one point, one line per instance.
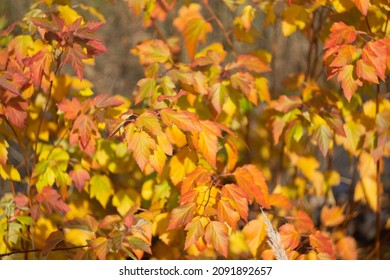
(239, 197)
(280, 201)
(303, 223)
(199, 176)
(375, 53)
(100, 247)
(348, 82)
(217, 235)
(181, 215)
(290, 238)
(184, 120)
(332, 216)
(366, 71)
(250, 179)
(340, 33)
(246, 83)
(149, 121)
(255, 233)
(346, 248)
(192, 26)
(362, 5)
(140, 144)
(208, 141)
(195, 231)
(226, 213)
(322, 244)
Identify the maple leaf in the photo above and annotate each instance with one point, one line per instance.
(238, 197)
(227, 213)
(181, 216)
(217, 235)
(375, 53)
(322, 244)
(75, 55)
(246, 83)
(193, 27)
(140, 144)
(79, 177)
(340, 33)
(184, 120)
(251, 180)
(71, 108)
(289, 237)
(362, 5)
(195, 230)
(52, 200)
(332, 216)
(100, 247)
(348, 82)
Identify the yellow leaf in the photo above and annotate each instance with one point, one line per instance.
(93, 11)
(125, 199)
(9, 172)
(294, 17)
(68, 14)
(101, 188)
(181, 164)
(78, 237)
(140, 144)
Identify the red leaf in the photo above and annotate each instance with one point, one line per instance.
(8, 85)
(79, 177)
(340, 33)
(14, 108)
(322, 244)
(71, 108)
(75, 55)
(217, 235)
(39, 64)
(181, 215)
(85, 132)
(250, 179)
(52, 201)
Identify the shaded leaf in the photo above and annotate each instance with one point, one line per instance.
(100, 247)
(322, 244)
(100, 186)
(289, 237)
(181, 216)
(52, 201)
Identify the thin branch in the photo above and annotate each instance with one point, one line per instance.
(379, 191)
(40, 250)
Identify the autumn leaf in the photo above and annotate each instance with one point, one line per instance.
(280, 201)
(152, 51)
(195, 230)
(71, 108)
(52, 201)
(303, 223)
(149, 121)
(366, 71)
(100, 186)
(184, 120)
(346, 248)
(217, 235)
(340, 33)
(100, 247)
(255, 234)
(208, 141)
(199, 176)
(193, 27)
(55, 238)
(362, 5)
(322, 244)
(238, 197)
(84, 132)
(250, 179)
(332, 216)
(141, 144)
(181, 216)
(375, 53)
(348, 82)
(294, 17)
(322, 135)
(75, 55)
(289, 237)
(246, 83)
(227, 213)
(79, 177)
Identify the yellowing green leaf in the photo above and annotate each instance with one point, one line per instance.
(100, 186)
